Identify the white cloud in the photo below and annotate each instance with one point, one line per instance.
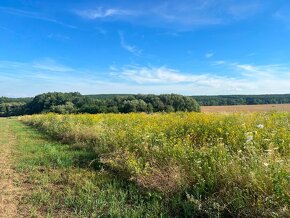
(20, 79)
(176, 14)
(150, 74)
(243, 10)
(249, 79)
(252, 70)
(164, 75)
(270, 70)
(31, 78)
(186, 13)
(101, 12)
(58, 37)
(49, 64)
(101, 31)
(130, 48)
(220, 62)
(209, 55)
(283, 15)
(33, 15)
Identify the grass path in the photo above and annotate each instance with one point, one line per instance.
(9, 191)
(40, 177)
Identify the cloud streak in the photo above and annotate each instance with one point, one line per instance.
(187, 13)
(101, 12)
(209, 55)
(283, 15)
(51, 65)
(130, 48)
(33, 15)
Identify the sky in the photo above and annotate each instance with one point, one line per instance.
(190, 47)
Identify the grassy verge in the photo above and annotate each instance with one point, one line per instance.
(67, 181)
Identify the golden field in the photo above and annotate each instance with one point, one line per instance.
(247, 108)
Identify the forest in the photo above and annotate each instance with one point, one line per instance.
(221, 100)
(68, 103)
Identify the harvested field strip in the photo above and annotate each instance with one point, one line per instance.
(247, 108)
(9, 190)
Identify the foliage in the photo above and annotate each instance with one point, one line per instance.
(242, 99)
(205, 164)
(12, 106)
(12, 109)
(49, 102)
(67, 103)
(9, 100)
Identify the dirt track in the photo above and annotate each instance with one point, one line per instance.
(9, 192)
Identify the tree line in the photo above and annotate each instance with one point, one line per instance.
(66, 103)
(125, 103)
(242, 99)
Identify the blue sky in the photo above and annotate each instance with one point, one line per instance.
(191, 47)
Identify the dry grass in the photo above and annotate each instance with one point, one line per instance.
(246, 108)
(167, 179)
(9, 191)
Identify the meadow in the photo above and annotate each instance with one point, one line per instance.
(215, 165)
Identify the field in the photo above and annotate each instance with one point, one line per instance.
(41, 177)
(247, 108)
(165, 165)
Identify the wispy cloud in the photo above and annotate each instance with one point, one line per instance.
(130, 48)
(249, 79)
(209, 54)
(257, 71)
(4, 28)
(283, 15)
(151, 74)
(51, 65)
(272, 71)
(59, 37)
(163, 75)
(101, 12)
(33, 15)
(101, 30)
(220, 62)
(186, 13)
(19, 79)
(30, 78)
(244, 10)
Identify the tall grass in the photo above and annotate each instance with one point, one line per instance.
(202, 164)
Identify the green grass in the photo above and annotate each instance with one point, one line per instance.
(67, 181)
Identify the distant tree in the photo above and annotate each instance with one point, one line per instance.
(12, 109)
(67, 108)
(45, 102)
